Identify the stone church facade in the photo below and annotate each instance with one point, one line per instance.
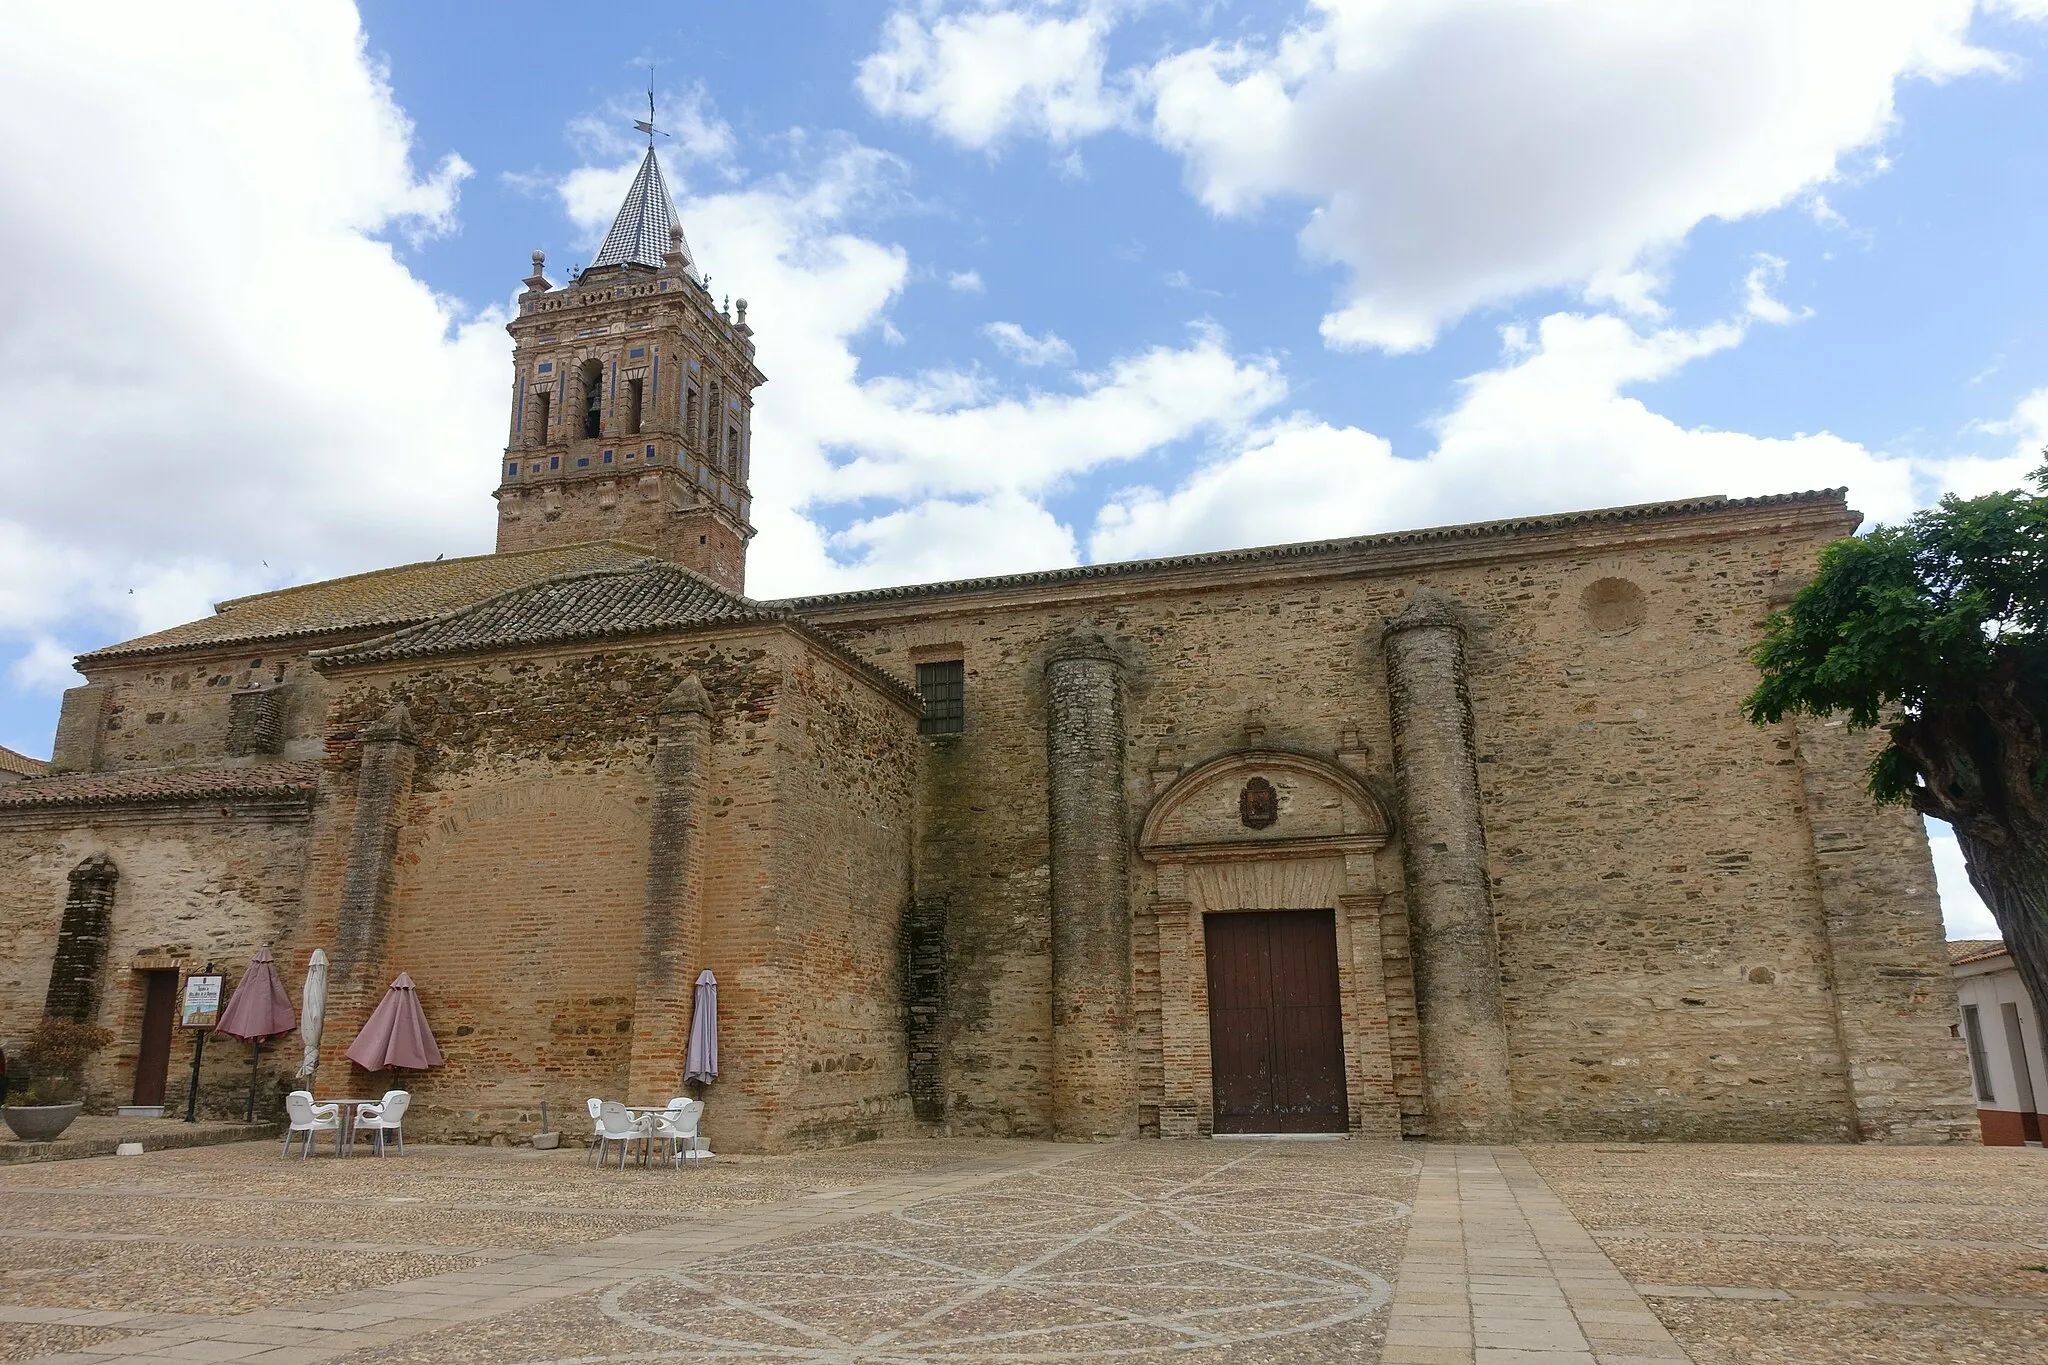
(1454, 833)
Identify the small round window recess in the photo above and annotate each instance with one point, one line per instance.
(1613, 606)
(1258, 805)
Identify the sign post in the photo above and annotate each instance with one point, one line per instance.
(199, 1009)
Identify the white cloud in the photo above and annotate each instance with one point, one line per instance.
(1963, 911)
(44, 667)
(1459, 153)
(978, 76)
(1462, 152)
(212, 360)
(958, 465)
(941, 539)
(1552, 428)
(965, 282)
(1758, 302)
(1026, 349)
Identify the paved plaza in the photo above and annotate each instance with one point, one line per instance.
(948, 1251)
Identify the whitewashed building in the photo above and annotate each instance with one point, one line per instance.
(2005, 1042)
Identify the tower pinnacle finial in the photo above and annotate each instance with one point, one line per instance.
(646, 125)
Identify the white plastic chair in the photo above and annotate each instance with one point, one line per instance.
(386, 1116)
(304, 1116)
(677, 1126)
(596, 1129)
(615, 1124)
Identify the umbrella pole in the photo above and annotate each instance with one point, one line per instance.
(254, 1053)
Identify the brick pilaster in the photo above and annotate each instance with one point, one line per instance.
(390, 748)
(670, 915)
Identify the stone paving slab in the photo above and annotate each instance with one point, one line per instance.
(1498, 1272)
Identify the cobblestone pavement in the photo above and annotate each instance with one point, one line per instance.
(1753, 1254)
(917, 1251)
(991, 1251)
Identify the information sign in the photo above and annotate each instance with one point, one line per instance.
(201, 1007)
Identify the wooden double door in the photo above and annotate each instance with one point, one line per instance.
(1276, 1022)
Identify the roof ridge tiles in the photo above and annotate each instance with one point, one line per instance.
(1713, 502)
(228, 603)
(557, 623)
(267, 781)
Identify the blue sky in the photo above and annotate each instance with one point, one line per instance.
(1034, 283)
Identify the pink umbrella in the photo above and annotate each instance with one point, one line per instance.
(258, 1009)
(396, 1033)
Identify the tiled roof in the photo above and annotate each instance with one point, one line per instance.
(646, 597)
(381, 600)
(640, 233)
(12, 762)
(268, 781)
(1961, 950)
(1315, 549)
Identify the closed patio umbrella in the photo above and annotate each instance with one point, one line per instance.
(396, 1033)
(258, 1009)
(700, 1064)
(313, 1010)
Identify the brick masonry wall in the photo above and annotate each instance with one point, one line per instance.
(653, 509)
(195, 885)
(845, 759)
(522, 882)
(1664, 953)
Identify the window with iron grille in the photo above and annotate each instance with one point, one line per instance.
(944, 689)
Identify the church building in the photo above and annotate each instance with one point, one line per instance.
(1455, 833)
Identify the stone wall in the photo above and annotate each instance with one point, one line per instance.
(181, 710)
(195, 885)
(1662, 944)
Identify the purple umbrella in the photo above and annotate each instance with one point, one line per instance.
(396, 1033)
(258, 1009)
(700, 1067)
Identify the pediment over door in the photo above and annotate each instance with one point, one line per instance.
(1263, 804)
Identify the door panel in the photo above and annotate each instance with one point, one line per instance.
(159, 1013)
(1276, 1028)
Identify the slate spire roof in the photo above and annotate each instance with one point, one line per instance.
(640, 233)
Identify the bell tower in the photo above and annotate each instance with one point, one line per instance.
(632, 402)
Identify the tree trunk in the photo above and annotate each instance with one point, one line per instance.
(1980, 769)
(2012, 877)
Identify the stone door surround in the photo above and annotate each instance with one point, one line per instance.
(1266, 829)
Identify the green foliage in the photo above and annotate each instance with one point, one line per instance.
(54, 1058)
(1919, 620)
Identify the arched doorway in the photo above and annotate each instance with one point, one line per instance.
(1278, 966)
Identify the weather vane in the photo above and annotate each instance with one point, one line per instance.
(646, 125)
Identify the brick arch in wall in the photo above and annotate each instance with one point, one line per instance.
(1268, 830)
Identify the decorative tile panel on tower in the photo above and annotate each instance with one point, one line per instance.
(632, 402)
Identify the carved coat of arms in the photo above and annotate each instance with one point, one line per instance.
(1258, 805)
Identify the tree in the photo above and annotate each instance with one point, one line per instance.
(1937, 630)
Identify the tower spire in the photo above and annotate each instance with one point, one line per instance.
(641, 233)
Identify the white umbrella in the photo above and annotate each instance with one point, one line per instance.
(313, 1010)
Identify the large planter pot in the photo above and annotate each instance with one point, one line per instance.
(40, 1122)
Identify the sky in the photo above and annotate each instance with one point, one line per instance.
(1035, 284)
